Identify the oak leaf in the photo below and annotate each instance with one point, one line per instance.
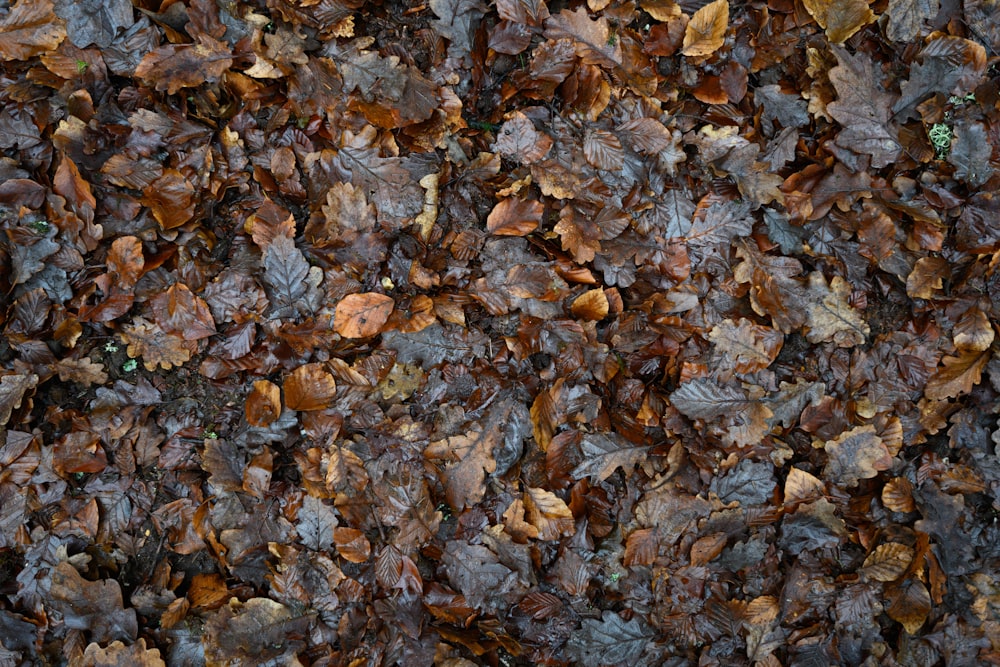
(956, 375)
(745, 347)
(855, 455)
(829, 316)
(863, 109)
(174, 66)
(156, 347)
(12, 391)
(469, 459)
(907, 17)
(706, 31)
(362, 315)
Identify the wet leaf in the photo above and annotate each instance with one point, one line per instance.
(309, 387)
(515, 217)
(263, 404)
(362, 315)
(855, 455)
(519, 140)
(609, 641)
(175, 66)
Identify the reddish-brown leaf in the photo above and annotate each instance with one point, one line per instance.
(519, 140)
(352, 544)
(309, 387)
(179, 311)
(263, 403)
(515, 217)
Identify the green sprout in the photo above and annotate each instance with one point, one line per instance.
(615, 576)
(958, 101)
(130, 365)
(111, 347)
(209, 434)
(39, 226)
(940, 135)
(81, 66)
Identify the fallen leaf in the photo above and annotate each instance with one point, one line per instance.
(263, 404)
(175, 66)
(362, 315)
(840, 18)
(309, 387)
(706, 31)
(855, 455)
(519, 140)
(515, 216)
(30, 28)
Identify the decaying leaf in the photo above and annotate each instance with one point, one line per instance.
(309, 387)
(855, 455)
(840, 19)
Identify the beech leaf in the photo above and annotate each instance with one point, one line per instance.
(362, 315)
(706, 31)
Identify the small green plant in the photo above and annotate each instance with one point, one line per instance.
(209, 434)
(110, 347)
(615, 576)
(81, 66)
(966, 99)
(940, 135)
(130, 365)
(40, 227)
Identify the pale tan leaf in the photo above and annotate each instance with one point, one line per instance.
(829, 316)
(592, 305)
(956, 375)
(887, 562)
(706, 32)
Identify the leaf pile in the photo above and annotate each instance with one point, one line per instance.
(656, 333)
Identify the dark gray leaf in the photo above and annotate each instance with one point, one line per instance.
(787, 109)
(704, 398)
(480, 576)
(970, 153)
(285, 271)
(782, 233)
(610, 641)
(749, 483)
(316, 523)
(435, 344)
(602, 454)
(94, 21)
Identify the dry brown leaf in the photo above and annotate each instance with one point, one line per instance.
(927, 277)
(156, 347)
(263, 403)
(909, 604)
(706, 31)
(973, 331)
(174, 66)
(362, 315)
(515, 217)
(855, 455)
(801, 486)
(352, 545)
(592, 305)
(309, 387)
(897, 495)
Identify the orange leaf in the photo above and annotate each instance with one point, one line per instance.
(309, 387)
(181, 312)
(515, 217)
(352, 544)
(548, 514)
(706, 32)
(840, 18)
(125, 261)
(155, 346)
(170, 198)
(362, 315)
(263, 404)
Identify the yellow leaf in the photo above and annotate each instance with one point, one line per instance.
(706, 32)
(840, 18)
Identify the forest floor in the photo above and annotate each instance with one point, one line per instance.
(463, 333)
